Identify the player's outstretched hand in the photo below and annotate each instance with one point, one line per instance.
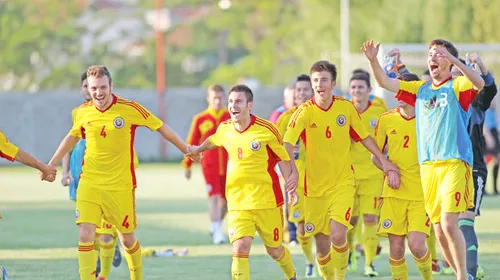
(193, 153)
(292, 198)
(393, 179)
(442, 52)
(48, 173)
(370, 50)
(187, 173)
(66, 179)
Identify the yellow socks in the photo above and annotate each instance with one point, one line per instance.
(340, 257)
(107, 253)
(87, 258)
(431, 244)
(286, 263)
(370, 242)
(240, 269)
(134, 261)
(424, 264)
(306, 244)
(399, 269)
(326, 266)
(350, 240)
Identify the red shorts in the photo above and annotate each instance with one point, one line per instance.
(216, 184)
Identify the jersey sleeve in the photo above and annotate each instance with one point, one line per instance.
(7, 149)
(408, 91)
(296, 126)
(142, 117)
(77, 128)
(464, 90)
(357, 129)
(379, 134)
(276, 145)
(192, 139)
(282, 123)
(218, 137)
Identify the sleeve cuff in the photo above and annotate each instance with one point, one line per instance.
(488, 79)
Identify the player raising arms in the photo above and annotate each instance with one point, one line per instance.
(444, 147)
(107, 182)
(253, 192)
(214, 162)
(303, 92)
(326, 124)
(11, 152)
(403, 209)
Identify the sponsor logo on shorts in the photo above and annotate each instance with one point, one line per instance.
(77, 214)
(119, 122)
(387, 223)
(341, 120)
(255, 145)
(231, 231)
(209, 188)
(296, 214)
(309, 227)
(373, 122)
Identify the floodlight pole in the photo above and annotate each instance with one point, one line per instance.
(344, 43)
(160, 75)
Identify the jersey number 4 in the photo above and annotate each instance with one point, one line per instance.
(103, 131)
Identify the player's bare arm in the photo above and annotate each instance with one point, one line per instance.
(387, 166)
(171, 136)
(393, 179)
(289, 149)
(371, 51)
(468, 72)
(66, 175)
(48, 173)
(66, 145)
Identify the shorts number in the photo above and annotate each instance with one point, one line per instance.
(428, 223)
(103, 131)
(407, 139)
(240, 153)
(348, 214)
(379, 204)
(458, 195)
(276, 233)
(328, 133)
(125, 222)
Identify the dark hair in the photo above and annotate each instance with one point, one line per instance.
(447, 44)
(361, 77)
(409, 77)
(243, 88)
(324, 65)
(83, 77)
(426, 72)
(361, 71)
(303, 78)
(461, 60)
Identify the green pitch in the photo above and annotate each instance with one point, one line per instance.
(38, 238)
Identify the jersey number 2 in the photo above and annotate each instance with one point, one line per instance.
(103, 131)
(407, 139)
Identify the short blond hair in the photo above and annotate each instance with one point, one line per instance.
(98, 71)
(216, 88)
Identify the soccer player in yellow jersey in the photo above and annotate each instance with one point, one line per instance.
(303, 92)
(326, 124)
(403, 209)
(107, 182)
(253, 192)
(369, 180)
(444, 147)
(11, 152)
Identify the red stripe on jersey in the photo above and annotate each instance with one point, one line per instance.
(6, 156)
(466, 98)
(406, 97)
(272, 160)
(354, 135)
(132, 167)
(136, 106)
(272, 129)
(82, 131)
(294, 117)
(303, 138)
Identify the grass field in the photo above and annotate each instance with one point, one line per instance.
(38, 237)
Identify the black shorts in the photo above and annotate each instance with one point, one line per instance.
(479, 186)
(496, 147)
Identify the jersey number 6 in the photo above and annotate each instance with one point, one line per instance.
(328, 133)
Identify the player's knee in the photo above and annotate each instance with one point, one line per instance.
(449, 224)
(323, 245)
(242, 245)
(370, 219)
(275, 253)
(417, 245)
(86, 232)
(106, 238)
(397, 246)
(339, 238)
(127, 239)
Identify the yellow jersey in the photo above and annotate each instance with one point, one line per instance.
(251, 179)
(7, 150)
(109, 160)
(364, 169)
(399, 135)
(299, 150)
(326, 135)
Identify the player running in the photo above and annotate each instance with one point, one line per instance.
(369, 180)
(444, 147)
(403, 210)
(106, 235)
(214, 162)
(303, 92)
(254, 196)
(107, 181)
(327, 124)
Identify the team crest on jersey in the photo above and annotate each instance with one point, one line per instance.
(373, 122)
(231, 231)
(119, 122)
(77, 214)
(309, 227)
(431, 103)
(387, 223)
(255, 145)
(341, 120)
(296, 214)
